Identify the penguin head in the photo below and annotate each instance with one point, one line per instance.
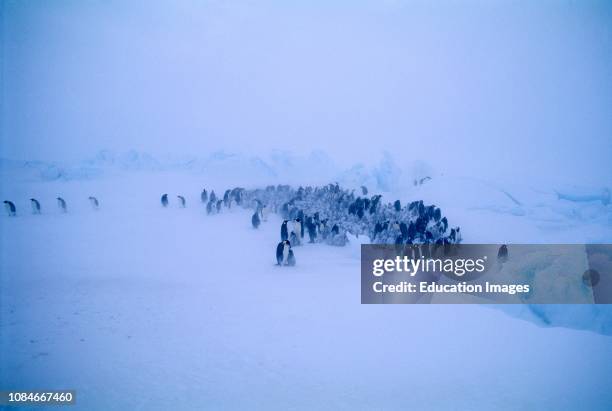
(32, 199)
(6, 202)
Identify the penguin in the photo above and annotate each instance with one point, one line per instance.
(209, 207)
(35, 206)
(10, 208)
(181, 201)
(291, 258)
(255, 220)
(282, 252)
(502, 254)
(293, 238)
(94, 203)
(164, 200)
(61, 203)
(284, 232)
(297, 227)
(219, 204)
(204, 196)
(227, 201)
(265, 210)
(213, 196)
(397, 205)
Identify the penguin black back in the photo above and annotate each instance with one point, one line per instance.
(164, 200)
(284, 231)
(255, 220)
(10, 208)
(61, 203)
(35, 206)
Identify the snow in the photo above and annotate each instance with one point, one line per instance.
(140, 307)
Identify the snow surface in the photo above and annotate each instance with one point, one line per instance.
(140, 307)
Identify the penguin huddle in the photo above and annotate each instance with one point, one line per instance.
(11, 209)
(327, 214)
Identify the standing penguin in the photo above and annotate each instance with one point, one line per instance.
(294, 238)
(312, 230)
(291, 258)
(284, 232)
(10, 208)
(181, 201)
(213, 196)
(297, 228)
(61, 203)
(502, 254)
(264, 213)
(94, 203)
(219, 204)
(210, 207)
(164, 200)
(255, 220)
(204, 196)
(35, 206)
(282, 252)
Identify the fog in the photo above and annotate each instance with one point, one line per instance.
(482, 88)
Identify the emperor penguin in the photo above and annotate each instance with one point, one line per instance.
(284, 232)
(264, 213)
(213, 196)
(61, 203)
(219, 204)
(181, 201)
(35, 206)
(10, 208)
(502, 254)
(294, 238)
(297, 227)
(210, 207)
(164, 200)
(94, 203)
(204, 196)
(255, 220)
(282, 252)
(291, 258)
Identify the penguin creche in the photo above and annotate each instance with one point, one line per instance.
(35, 206)
(10, 208)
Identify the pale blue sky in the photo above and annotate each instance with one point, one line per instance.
(488, 86)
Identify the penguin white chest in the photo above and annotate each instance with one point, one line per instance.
(7, 208)
(297, 227)
(285, 253)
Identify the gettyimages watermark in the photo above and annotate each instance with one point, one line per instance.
(486, 274)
